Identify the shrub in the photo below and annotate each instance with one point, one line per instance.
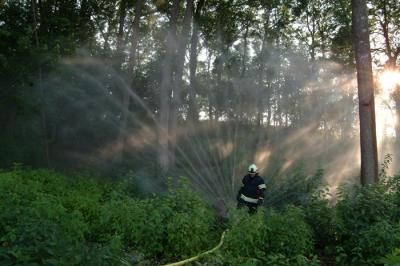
(273, 238)
(288, 233)
(296, 188)
(37, 226)
(391, 259)
(369, 228)
(322, 218)
(171, 227)
(176, 226)
(246, 237)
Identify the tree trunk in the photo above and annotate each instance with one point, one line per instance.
(166, 83)
(369, 156)
(244, 55)
(261, 71)
(83, 23)
(42, 108)
(193, 108)
(118, 62)
(396, 98)
(177, 84)
(120, 35)
(131, 68)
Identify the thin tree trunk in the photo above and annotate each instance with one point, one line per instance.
(396, 98)
(261, 70)
(369, 156)
(83, 21)
(244, 56)
(43, 112)
(166, 83)
(127, 90)
(193, 108)
(209, 92)
(176, 102)
(121, 88)
(120, 35)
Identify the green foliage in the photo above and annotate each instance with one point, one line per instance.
(247, 235)
(189, 224)
(175, 226)
(322, 218)
(47, 218)
(36, 225)
(391, 259)
(296, 188)
(288, 233)
(269, 238)
(369, 227)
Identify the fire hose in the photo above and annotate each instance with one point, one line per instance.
(201, 254)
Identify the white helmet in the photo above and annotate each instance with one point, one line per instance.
(252, 168)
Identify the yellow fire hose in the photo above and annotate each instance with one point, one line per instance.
(201, 254)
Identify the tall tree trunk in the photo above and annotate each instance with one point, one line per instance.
(261, 71)
(40, 73)
(209, 92)
(312, 52)
(120, 35)
(244, 55)
(166, 83)
(129, 86)
(260, 88)
(193, 108)
(369, 156)
(118, 61)
(396, 98)
(176, 102)
(135, 38)
(83, 23)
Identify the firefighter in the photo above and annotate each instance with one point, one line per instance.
(251, 194)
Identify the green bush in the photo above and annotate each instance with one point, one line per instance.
(369, 227)
(392, 259)
(42, 231)
(191, 228)
(288, 233)
(322, 218)
(296, 188)
(272, 238)
(168, 227)
(246, 237)
(48, 218)
(42, 222)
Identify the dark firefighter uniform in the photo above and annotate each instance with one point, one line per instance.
(251, 194)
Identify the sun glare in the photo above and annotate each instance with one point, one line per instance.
(388, 80)
(385, 106)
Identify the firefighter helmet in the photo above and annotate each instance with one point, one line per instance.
(253, 168)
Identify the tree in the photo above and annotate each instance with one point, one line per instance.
(165, 88)
(386, 25)
(369, 156)
(129, 84)
(193, 108)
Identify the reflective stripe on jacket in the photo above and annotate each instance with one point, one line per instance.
(248, 199)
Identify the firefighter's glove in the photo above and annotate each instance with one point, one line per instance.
(260, 201)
